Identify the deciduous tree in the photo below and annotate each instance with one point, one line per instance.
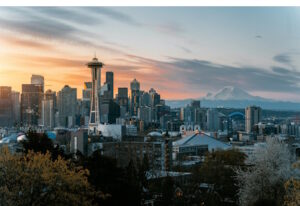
(268, 169)
(292, 188)
(218, 173)
(35, 179)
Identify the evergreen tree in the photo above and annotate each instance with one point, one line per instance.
(37, 142)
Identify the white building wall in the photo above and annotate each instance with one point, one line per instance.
(112, 130)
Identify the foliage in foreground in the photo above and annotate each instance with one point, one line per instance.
(106, 176)
(37, 142)
(292, 187)
(262, 183)
(218, 173)
(35, 179)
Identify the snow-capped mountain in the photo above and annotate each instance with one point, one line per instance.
(236, 98)
(232, 93)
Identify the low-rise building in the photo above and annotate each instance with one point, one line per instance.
(79, 142)
(159, 153)
(116, 131)
(197, 144)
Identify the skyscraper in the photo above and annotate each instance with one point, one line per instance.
(38, 80)
(49, 109)
(145, 114)
(51, 95)
(6, 109)
(122, 100)
(145, 99)
(195, 104)
(86, 101)
(67, 102)
(104, 103)
(110, 84)
(253, 116)
(155, 97)
(31, 102)
(213, 121)
(48, 114)
(95, 67)
(16, 107)
(135, 97)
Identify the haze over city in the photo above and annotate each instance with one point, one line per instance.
(182, 52)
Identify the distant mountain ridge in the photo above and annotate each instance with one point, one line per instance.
(235, 97)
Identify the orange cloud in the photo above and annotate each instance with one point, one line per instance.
(24, 42)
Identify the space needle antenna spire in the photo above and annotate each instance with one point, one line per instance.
(95, 67)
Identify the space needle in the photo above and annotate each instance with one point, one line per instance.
(94, 120)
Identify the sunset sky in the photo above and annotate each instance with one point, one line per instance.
(182, 52)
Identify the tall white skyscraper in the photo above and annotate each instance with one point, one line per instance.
(48, 114)
(95, 67)
(253, 116)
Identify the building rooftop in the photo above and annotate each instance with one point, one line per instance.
(201, 139)
(154, 174)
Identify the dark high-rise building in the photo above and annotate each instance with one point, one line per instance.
(213, 120)
(253, 116)
(31, 104)
(145, 99)
(145, 114)
(123, 92)
(154, 97)
(200, 117)
(109, 111)
(6, 107)
(86, 102)
(135, 97)
(114, 112)
(195, 104)
(122, 98)
(110, 84)
(67, 104)
(16, 107)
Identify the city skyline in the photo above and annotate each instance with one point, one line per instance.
(191, 52)
(141, 106)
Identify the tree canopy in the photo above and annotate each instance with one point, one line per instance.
(218, 173)
(292, 188)
(37, 142)
(262, 182)
(35, 179)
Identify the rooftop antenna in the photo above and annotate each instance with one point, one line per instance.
(95, 54)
